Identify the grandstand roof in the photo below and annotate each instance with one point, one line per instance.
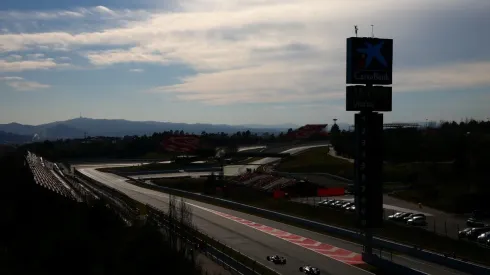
(400, 125)
(395, 125)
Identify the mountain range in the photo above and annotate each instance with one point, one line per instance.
(80, 127)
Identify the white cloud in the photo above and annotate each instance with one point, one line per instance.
(10, 78)
(136, 70)
(103, 9)
(14, 57)
(253, 51)
(76, 13)
(26, 65)
(452, 76)
(20, 84)
(35, 56)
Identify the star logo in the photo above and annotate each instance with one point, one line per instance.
(373, 52)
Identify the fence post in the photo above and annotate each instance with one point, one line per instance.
(445, 227)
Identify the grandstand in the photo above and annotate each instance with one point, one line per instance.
(50, 176)
(400, 125)
(45, 176)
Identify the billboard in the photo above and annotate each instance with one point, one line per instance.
(374, 98)
(181, 144)
(369, 61)
(308, 130)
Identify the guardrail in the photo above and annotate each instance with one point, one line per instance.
(405, 249)
(236, 261)
(389, 265)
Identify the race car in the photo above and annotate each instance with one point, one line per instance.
(308, 269)
(276, 259)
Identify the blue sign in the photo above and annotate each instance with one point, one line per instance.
(369, 61)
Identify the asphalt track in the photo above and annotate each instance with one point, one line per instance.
(243, 236)
(258, 237)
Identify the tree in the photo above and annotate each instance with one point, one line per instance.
(335, 129)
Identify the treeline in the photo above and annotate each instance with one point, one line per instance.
(465, 146)
(445, 143)
(44, 233)
(147, 146)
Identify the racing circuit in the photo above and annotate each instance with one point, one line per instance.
(258, 237)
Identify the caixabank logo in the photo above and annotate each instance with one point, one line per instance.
(369, 61)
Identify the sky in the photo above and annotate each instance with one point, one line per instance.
(236, 61)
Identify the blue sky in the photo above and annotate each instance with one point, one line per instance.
(234, 61)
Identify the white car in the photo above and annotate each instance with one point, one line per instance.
(417, 221)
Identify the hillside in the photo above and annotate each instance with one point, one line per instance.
(10, 138)
(78, 127)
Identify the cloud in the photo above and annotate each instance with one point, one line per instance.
(14, 57)
(102, 9)
(35, 56)
(269, 50)
(455, 76)
(10, 78)
(26, 65)
(20, 84)
(136, 70)
(74, 14)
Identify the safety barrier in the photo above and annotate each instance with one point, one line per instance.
(383, 264)
(397, 247)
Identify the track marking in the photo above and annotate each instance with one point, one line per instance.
(333, 252)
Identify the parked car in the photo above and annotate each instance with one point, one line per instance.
(396, 215)
(347, 205)
(330, 203)
(352, 208)
(338, 203)
(472, 222)
(463, 233)
(402, 217)
(483, 238)
(323, 202)
(475, 232)
(411, 216)
(417, 221)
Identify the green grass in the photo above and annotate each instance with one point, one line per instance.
(317, 160)
(393, 231)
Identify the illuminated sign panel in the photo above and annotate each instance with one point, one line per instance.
(369, 61)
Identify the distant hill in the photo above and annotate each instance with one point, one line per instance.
(278, 126)
(10, 138)
(78, 127)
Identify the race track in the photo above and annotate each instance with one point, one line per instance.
(258, 237)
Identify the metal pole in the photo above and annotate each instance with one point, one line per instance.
(368, 241)
(368, 234)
